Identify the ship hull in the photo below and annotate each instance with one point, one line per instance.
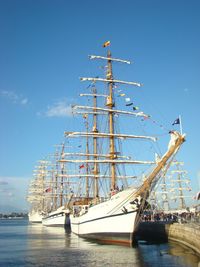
(113, 221)
(56, 219)
(35, 217)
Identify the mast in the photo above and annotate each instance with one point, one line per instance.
(110, 112)
(95, 130)
(62, 172)
(56, 182)
(43, 181)
(165, 195)
(179, 173)
(87, 153)
(110, 104)
(182, 201)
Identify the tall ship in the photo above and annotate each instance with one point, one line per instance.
(114, 182)
(36, 194)
(57, 192)
(173, 193)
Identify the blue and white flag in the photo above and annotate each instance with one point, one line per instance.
(177, 121)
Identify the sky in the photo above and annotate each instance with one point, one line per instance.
(44, 50)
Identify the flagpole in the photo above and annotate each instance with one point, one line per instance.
(181, 129)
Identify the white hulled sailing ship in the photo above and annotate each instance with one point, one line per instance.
(108, 208)
(173, 194)
(36, 194)
(57, 193)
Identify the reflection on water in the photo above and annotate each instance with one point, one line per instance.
(187, 256)
(24, 244)
(60, 247)
(170, 254)
(51, 237)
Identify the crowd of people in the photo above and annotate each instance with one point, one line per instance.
(181, 217)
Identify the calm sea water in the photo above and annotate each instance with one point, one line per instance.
(24, 244)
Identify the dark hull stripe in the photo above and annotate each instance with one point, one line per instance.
(54, 216)
(105, 217)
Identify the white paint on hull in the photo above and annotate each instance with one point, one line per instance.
(113, 218)
(59, 217)
(35, 217)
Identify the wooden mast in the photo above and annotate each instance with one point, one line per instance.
(95, 130)
(110, 104)
(87, 153)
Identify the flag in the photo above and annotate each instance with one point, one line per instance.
(48, 190)
(177, 121)
(107, 43)
(81, 166)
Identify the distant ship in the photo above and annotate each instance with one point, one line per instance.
(57, 192)
(36, 194)
(174, 193)
(34, 216)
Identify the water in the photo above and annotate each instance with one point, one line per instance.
(24, 244)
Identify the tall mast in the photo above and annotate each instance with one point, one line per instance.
(56, 182)
(95, 130)
(43, 171)
(62, 172)
(87, 153)
(182, 201)
(165, 195)
(110, 104)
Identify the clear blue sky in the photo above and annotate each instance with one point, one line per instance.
(43, 50)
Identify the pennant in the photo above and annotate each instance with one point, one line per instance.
(107, 43)
(81, 166)
(129, 104)
(177, 121)
(121, 95)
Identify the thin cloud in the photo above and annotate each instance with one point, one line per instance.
(8, 184)
(24, 101)
(13, 97)
(5, 187)
(2, 182)
(60, 108)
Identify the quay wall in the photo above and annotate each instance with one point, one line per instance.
(185, 233)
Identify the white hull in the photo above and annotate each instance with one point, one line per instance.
(113, 221)
(35, 217)
(57, 218)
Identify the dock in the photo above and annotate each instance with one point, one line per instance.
(187, 233)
